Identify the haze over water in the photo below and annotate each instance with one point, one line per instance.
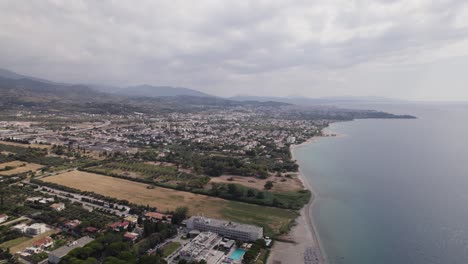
(393, 191)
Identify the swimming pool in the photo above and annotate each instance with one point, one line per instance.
(237, 254)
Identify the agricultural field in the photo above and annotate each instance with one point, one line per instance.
(274, 220)
(16, 167)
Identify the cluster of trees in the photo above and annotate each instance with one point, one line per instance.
(159, 173)
(34, 155)
(110, 248)
(288, 200)
(252, 253)
(71, 212)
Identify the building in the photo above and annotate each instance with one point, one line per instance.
(119, 226)
(228, 229)
(36, 229)
(58, 206)
(291, 140)
(72, 224)
(133, 219)
(155, 216)
(131, 236)
(43, 243)
(201, 248)
(20, 228)
(3, 218)
(57, 255)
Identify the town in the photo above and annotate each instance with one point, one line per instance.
(209, 185)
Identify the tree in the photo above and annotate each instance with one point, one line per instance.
(250, 193)
(179, 215)
(268, 185)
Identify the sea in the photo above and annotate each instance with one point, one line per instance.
(392, 190)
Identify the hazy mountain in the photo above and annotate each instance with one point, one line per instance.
(158, 91)
(4, 73)
(337, 100)
(28, 90)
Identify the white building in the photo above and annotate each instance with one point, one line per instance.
(291, 140)
(36, 229)
(201, 248)
(228, 229)
(58, 206)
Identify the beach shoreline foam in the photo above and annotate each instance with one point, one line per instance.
(307, 247)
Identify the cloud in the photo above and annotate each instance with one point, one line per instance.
(312, 48)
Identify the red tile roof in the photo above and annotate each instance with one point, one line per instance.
(42, 241)
(156, 215)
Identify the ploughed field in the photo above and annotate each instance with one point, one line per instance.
(274, 220)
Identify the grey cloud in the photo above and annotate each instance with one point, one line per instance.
(228, 47)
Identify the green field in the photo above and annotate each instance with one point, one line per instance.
(170, 248)
(273, 220)
(14, 242)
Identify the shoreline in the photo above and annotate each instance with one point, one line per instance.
(304, 233)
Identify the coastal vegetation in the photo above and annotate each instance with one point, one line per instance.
(274, 220)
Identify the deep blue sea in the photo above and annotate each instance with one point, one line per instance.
(393, 191)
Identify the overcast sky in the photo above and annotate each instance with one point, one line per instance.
(401, 49)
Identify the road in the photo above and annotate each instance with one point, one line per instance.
(15, 221)
(74, 197)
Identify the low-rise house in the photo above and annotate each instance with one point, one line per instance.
(3, 218)
(58, 206)
(91, 230)
(72, 224)
(119, 226)
(131, 236)
(43, 243)
(155, 216)
(131, 219)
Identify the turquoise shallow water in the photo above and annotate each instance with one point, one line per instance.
(393, 191)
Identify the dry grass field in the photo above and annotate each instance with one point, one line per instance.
(135, 192)
(273, 219)
(291, 184)
(26, 146)
(13, 164)
(18, 167)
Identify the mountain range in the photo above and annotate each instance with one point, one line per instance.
(31, 89)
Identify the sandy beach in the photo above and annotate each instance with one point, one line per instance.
(306, 247)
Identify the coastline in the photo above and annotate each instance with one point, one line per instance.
(307, 242)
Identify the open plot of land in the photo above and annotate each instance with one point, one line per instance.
(14, 242)
(290, 184)
(25, 243)
(12, 164)
(26, 145)
(273, 219)
(20, 168)
(170, 248)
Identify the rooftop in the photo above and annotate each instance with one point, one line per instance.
(226, 224)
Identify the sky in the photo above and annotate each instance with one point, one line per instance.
(409, 49)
